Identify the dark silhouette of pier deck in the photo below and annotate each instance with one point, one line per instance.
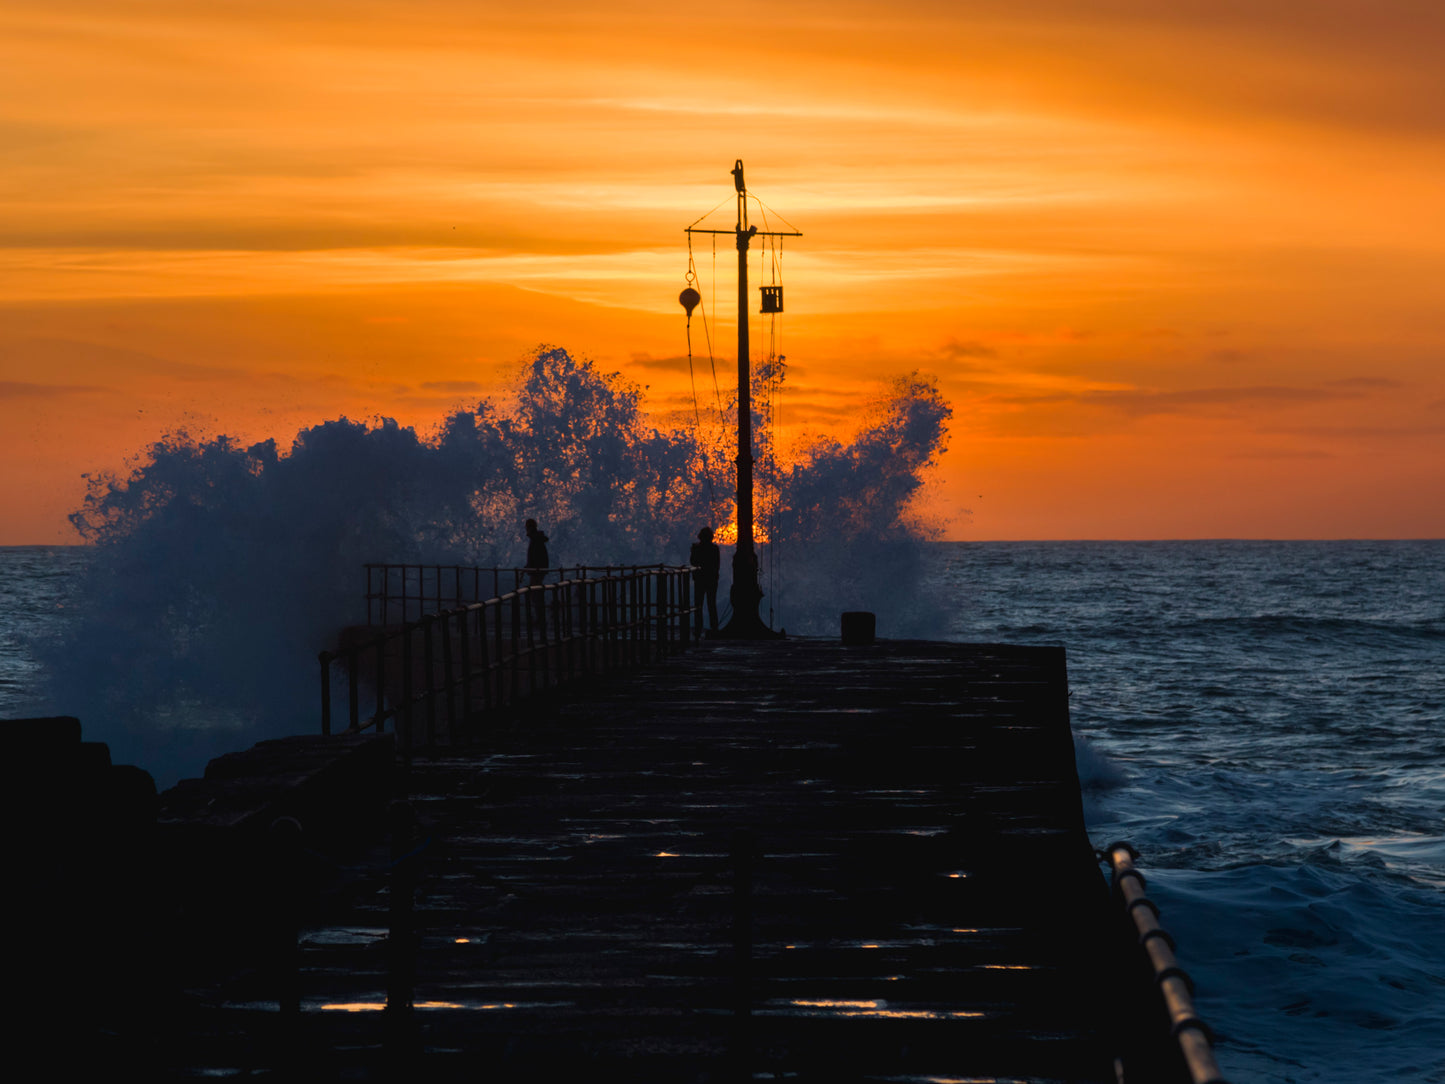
(798, 858)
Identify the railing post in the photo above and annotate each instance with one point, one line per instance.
(448, 677)
(486, 662)
(501, 653)
(616, 612)
(325, 660)
(531, 641)
(353, 689)
(684, 592)
(571, 630)
(404, 737)
(612, 614)
(378, 720)
(466, 616)
(639, 617)
(429, 674)
(544, 666)
(516, 642)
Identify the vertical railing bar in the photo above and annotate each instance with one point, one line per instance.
(448, 677)
(405, 739)
(325, 659)
(517, 603)
(378, 719)
(353, 711)
(486, 660)
(466, 630)
(429, 674)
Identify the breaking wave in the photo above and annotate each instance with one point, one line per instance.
(220, 569)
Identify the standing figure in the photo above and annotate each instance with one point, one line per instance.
(537, 560)
(706, 560)
(537, 564)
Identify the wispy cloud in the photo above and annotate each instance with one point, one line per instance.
(1143, 401)
(21, 389)
(1367, 383)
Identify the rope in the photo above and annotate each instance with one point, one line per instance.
(765, 207)
(712, 362)
(690, 225)
(716, 392)
(691, 280)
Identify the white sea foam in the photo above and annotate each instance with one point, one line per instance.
(220, 570)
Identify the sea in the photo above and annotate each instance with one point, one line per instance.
(1264, 721)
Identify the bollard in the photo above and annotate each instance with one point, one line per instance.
(859, 627)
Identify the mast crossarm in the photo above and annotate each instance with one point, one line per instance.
(755, 233)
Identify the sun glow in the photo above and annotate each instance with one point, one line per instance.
(1195, 310)
(727, 534)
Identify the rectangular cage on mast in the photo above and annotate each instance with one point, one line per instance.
(772, 299)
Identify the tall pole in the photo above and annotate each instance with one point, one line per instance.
(746, 624)
(746, 594)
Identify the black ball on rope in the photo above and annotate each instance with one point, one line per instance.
(689, 299)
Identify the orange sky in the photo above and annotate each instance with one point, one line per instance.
(1178, 267)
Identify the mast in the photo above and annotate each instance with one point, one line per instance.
(745, 594)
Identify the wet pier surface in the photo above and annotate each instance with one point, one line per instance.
(796, 860)
(791, 860)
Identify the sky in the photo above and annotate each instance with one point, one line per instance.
(1179, 268)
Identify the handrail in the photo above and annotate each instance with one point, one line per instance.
(404, 592)
(435, 678)
(1175, 987)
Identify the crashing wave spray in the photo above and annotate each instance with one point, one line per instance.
(220, 570)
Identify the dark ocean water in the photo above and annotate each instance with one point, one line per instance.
(1265, 721)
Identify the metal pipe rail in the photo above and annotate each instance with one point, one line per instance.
(1175, 987)
(403, 592)
(434, 678)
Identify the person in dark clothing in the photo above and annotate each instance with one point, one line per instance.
(537, 564)
(537, 560)
(706, 561)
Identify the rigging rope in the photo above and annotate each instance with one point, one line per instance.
(716, 391)
(691, 280)
(770, 270)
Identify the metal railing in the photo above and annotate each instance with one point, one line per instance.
(1175, 988)
(435, 678)
(396, 593)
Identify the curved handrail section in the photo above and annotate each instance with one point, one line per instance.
(405, 592)
(1196, 1044)
(435, 679)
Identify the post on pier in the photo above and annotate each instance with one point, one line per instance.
(746, 594)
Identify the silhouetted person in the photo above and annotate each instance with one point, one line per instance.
(707, 560)
(537, 564)
(537, 560)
